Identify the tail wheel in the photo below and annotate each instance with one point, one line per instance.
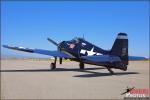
(52, 66)
(81, 65)
(124, 67)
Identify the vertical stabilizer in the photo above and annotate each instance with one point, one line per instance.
(120, 47)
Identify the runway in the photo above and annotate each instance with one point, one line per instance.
(29, 79)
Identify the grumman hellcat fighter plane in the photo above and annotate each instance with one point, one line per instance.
(85, 52)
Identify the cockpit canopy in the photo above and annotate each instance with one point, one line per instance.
(76, 40)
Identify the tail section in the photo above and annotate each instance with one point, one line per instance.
(120, 47)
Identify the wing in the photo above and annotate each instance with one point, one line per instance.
(40, 51)
(102, 58)
(136, 58)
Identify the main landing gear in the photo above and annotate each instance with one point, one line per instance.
(53, 65)
(81, 65)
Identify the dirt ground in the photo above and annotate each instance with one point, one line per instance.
(28, 79)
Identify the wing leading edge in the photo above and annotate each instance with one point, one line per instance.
(40, 51)
(109, 58)
(102, 58)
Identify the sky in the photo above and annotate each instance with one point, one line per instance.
(29, 23)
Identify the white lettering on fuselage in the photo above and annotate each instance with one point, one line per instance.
(89, 53)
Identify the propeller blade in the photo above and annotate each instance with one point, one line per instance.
(60, 60)
(52, 41)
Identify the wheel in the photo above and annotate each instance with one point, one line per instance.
(111, 72)
(124, 67)
(52, 66)
(81, 65)
(109, 69)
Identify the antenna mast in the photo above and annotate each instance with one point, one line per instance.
(83, 36)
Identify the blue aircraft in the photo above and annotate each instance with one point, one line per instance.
(84, 52)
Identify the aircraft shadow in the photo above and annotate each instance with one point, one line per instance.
(48, 70)
(86, 70)
(98, 74)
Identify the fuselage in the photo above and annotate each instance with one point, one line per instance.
(80, 47)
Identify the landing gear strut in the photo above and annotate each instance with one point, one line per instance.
(109, 69)
(81, 65)
(53, 65)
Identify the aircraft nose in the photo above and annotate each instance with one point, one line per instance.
(62, 44)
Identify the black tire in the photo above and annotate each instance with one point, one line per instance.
(81, 65)
(52, 66)
(124, 67)
(111, 72)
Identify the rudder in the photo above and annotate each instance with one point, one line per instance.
(120, 47)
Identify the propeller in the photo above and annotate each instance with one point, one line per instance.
(58, 47)
(52, 41)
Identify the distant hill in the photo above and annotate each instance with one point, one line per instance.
(137, 58)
